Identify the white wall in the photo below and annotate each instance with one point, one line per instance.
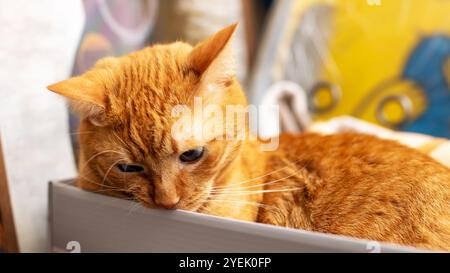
(38, 40)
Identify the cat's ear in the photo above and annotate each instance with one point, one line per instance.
(213, 58)
(87, 97)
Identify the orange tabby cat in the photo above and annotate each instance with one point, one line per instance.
(347, 184)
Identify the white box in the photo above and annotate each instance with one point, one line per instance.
(99, 223)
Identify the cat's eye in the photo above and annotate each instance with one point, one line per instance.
(130, 168)
(192, 156)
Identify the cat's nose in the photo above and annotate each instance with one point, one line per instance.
(167, 203)
(165, 191)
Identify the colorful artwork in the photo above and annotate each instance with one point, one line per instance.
(427, 68)
(386, 62)
(113, 27)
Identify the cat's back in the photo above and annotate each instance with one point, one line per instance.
(352, 161)
(345, 151)
(363, 186)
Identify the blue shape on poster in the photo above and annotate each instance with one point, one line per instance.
(426, 68)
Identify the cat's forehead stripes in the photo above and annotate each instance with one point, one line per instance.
(137, 92)
(149, 85)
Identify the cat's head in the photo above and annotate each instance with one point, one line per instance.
(127, 139)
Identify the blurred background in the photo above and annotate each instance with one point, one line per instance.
(378, 66)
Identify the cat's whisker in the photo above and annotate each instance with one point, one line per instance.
(250, 191)
(259, 205)
(81, 133)
(258, 185)
(98, 184)
(121, 140)
(195, 200)
(239, 193)
(255, 178)
(113, 190)
(133, 208)
(109, 170)
(100, 153)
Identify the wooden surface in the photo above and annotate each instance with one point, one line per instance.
(248, 7)
(8, 239)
